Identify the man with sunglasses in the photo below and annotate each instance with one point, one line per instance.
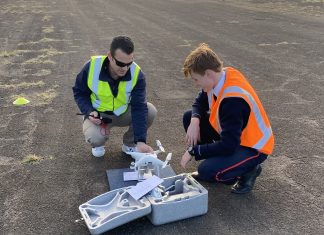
(111, 91)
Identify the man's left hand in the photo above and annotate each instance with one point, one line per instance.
(143, 148)
(185, 159)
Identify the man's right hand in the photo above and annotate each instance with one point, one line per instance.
(143, 148)
(94, 117)
(193, 132)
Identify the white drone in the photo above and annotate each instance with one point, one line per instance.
(148, 164)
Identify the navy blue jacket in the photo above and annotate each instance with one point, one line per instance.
(234, 113)
(138, 103)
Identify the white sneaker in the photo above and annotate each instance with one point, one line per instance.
(98, 151)
(126, 149)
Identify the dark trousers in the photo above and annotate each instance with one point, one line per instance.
(225, 169)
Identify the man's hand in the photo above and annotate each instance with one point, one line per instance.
(143, 148)
(193, 132)
(94, 117)
(185, 159)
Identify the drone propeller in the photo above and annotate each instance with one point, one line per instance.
(161, 149)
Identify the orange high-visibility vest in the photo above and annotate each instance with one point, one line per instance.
(258, 133)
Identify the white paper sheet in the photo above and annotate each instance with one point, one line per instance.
(144, 187)
(132, 175)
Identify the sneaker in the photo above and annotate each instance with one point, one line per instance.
(98, 151)
(126, 149)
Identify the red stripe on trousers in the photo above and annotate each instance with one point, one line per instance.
(231, 167)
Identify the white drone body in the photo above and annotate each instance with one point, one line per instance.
(148, 164)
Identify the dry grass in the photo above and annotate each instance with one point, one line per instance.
(34, 159)
(31, 159)
(10, 8)
(304, 7)
(42, 72)
(45, 97)
(6, 62)
(46, 18)
(13, 53)
(52, 51)
(49, 29)
(41, 59)
(43, 40)
(38, 98)
(22, 85)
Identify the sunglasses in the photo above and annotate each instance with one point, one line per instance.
(122, 64)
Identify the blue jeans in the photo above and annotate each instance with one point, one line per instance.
(225, 169)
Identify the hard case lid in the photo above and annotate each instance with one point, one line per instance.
(112, 209)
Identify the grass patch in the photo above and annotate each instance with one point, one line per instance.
(10, 8)
(46, 97)
(22, 85)
(41, 59)
(52, 51)
(13, 53)
(34, 159)
(42, 72)
(38, 98)
(43, 40)
(6, 62)
(31, 159)
(49, 29)
(46, 18)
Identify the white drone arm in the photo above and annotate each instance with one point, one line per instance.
(168, 158)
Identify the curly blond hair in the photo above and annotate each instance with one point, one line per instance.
(201, 59)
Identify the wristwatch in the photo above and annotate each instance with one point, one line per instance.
(195, 115)
(191, 151)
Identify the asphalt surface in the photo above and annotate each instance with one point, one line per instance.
(278, 45)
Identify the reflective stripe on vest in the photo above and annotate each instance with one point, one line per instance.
(267, 131)
(102, 98)
(257, 133)
(210, 97)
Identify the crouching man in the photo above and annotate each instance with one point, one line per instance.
(227, 128)
(110, 91)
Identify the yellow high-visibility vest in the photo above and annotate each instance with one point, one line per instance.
(102, 98)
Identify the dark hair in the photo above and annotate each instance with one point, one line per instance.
(122, 42)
